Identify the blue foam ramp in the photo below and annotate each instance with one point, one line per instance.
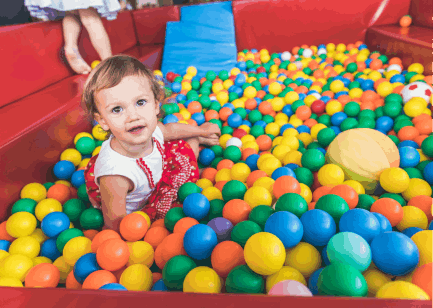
(217, 14)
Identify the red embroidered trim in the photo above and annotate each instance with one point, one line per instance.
(161, 151)
(147, 171)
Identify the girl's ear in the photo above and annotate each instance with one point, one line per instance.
(101, 122)
(158, 109)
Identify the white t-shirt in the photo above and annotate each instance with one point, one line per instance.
(109, 162)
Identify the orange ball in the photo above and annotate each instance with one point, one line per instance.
(90, 234)
(424, 203)
(184, 224)
(347, 193)
(119, 272)
(133, 227)
(247, 152)
(194, 107)
(211, 114)
(225, 164)
(286, 184)
(224, 113)
(367, 105)
(303, 113)
(424, 127)
(422, 277)
(254, 176)
(226, 256)
(4, 235)
(98, 279)
(389, 208)
(103, 236)
(250, 104)
(220, 185)
(311, 206)
(376, 64)
(236, 210)
(405, 22)
(158, 223)
(368, 95)
(264, 142)
(420, 139)
(72, 283)
(112, 254)
(321, 191)
(59, 192)
(156, 235)
(43, 275)
(265, 107)
(209, 173)
(171, 246)
(310, 123)
(408, 133)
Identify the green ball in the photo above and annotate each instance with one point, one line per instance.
(73, 208)
(409, 75)
(296, 105)
(215, 162)
(334, 205)
(354, 84)
(268, 119)
(66, 236)
(402, 123)
(254, 116)
(195, 84)
(394, 139)
(414, 173)
(351, 67)
(47, 185)
(175, 271)
(172, 217)
(367, 113)
(215, 106)
(396, 197)
(393, 98)
(223, 75)
(233, 96)
(218, 150)
(260, 214)
(205, 101)
(85, 145)
(365, 202)
(326, 136)
(82, 194)
(24, 205)
(313, 160)
(392, 109)
(210, 75)
(242, 112)
(186, 189)
(325, 119)
(292, 203)
(313, 145)
(427, 146)
(205, 91)
(352, 109)
(243, 231)
(91, 218)
(366, 123)
(234, 189)
(339, 279)
(348, 123)
(233, 153)
(226, 130)
(216, 209)
(422, 165)
(304, 176)
(242, 279)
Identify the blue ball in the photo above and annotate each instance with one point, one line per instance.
(176, 87)
(206, 157)
(394, 253)
(199, 241)
(292, 166)
(159, 286)
(411, 231)
(286, 226)
(229, 105)
(337, 118)
(196, 206)
(385, 225)
(77, 178)
(49, 249)
(234, 120)
(384, 123)
(285, 126)
(113, 286)
(409, 157)
(319, 227)
(170, 118)
(361, 222)
(312, 282)
(336, 129)
(408, 143)
(287, 110)
(198, 117)
(430, 226)
(64, 169)
(367, 84)
(84, 266)
(428, 173)
(180, 97)
(4, 245)
(246, 122)
(251, 161)
(281, 171)
(261, 123)
(325, 99)
(303, 129)
(55, 223)
(324, 255)
(398, 78)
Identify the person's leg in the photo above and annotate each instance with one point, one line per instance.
(194, 143)
(98, 36)
(71, 32)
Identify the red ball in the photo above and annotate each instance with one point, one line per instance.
(170, 76)
(239, 133)
(261, 69)
(318, 107)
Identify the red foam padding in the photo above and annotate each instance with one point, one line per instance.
(281, 25)
(151, 55)
(422, 13)
(150, 23)
(412, 45)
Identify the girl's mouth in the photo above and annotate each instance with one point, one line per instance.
(136, 130)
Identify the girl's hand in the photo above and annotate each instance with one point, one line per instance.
(210, 129)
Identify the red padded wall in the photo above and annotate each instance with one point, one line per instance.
(422, 13)
(281, 25)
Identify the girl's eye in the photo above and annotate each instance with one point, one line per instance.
(116, 109)
(141, 102)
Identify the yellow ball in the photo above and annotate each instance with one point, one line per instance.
(336, 86)
(141, 252)
(280, 151)
(10, 282)
(291, 141)
(423, 240)
(212, 193)
(99, 133)
(224, 138)
(187, 86)
(21, 224)
(85, 161)
(264, 253)
(401, 290)
(227, 84)
(63, 267)
(47, 206)
(202, 279)
(185, 114)
(83, 134)
(137, 277)
(330, 174)
(71, 155)
(75, 248)
(222, 97)
(240, 172)
(265, 182)
(416, 67)
(375, 280)
(191, 71)
(330, 47)
(296, 122)
(258, 195)
(64, 183)
(277, 104)
(413, 217)
(291, 97)
(384, 89)
(275, 88)
(95, 64)
(360, 190)
(270, 164)
(272, 129)
(305, 258)
(394, 180)
(204, 183)
(285, 273)
(414, 107)
(262, 158)
(305, 138)
(3, 255)
(306, 193)
(16, 266)
(34, 191)
(247, 138)
(333, 107)
(235, 71)
(26, 246)
(293, 157)
(250, 145)
(223, 175)
(375, 75)
(250, 92)
(40, 260)
(417, 187)
(316, 129)
(290, 132)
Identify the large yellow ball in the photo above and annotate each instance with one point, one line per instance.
(423, 240)
(417, 187)
(394, 180)
(34, 191)
(202, 279)
(47, 206)
(413, 217)
(269, 165)
(240, 172)
(71, 155)
(265, 182)
(26, 246)
(330, 174)
(401, 290)
(375, 280)
(304, 257)
(10, 282)
(141, 253)
(285, 273)
(137, 277)
(264, 253)
(16, 266)
(63, 267)
(212, 193)
(99, 133)
(21, 224)
(75, 248)
(257, 195)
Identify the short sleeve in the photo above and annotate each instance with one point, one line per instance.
(158, 135)
(106, 167)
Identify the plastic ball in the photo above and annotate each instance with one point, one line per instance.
(10, 282)
(84, 266)
(375, 280)
(243, 280)
(112, 254)
(422, 277)
(394, 180)
(285, 273)
(202, 279)
(113, 287)
(330, 175)
(91, 218)
(47, 206)
(389, 208)
(333, 205)
(21, 224)
(417, 187)
(206, 157)
(64, 169)
(34, 191)
(234, 142)
(416, 89)
(412, 217)
(290, 288)
(49, 249)
(312, 282)
(196, 206)
(360, 222)
(240, 172)
(409, 157)
(26, 246)
(234, 190)
(304, 257)
(76, 248)
(187, 189)
(313, 160)
(55, 223)
(136, 277)
(15, 266)
(319, 227)
(401, 290)
(199, 241)
(424, 240)
(222, 228)
(257, 195)
(175, 271)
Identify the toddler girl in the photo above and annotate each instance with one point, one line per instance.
(143, 163)
(75, 13)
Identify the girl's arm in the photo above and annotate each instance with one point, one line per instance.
(174, 131)
(114, 189)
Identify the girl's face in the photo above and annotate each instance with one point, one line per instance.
(129, 111)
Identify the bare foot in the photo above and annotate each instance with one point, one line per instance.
(76, 61)
(208, 141)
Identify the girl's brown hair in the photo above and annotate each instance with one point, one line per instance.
(109, 73)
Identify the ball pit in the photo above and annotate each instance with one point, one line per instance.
(308, 168)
